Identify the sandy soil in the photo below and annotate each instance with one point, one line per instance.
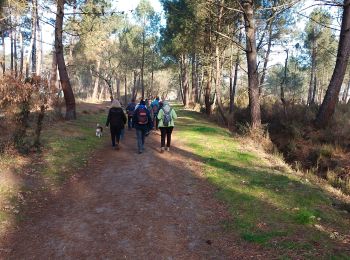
(131, 206)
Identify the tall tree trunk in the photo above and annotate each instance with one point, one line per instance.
(184, 79)
(181, 88)
(22, 52)
(15, 59)
(39, 49)
(125, 90)
(234, 75)
(218, 66)
(207, 94)
(253, 75)
(65, 83)
(197, 97)
(34, 35)
(11, 55)
(54, 86)
(332, 95)
(3, 63)
(143, 60)
(97, 81)
(310, 99)
(134, 92)
(194, 80)
(118, 88)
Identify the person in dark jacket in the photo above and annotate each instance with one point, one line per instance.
(116, 119)
(130, 111)
(142, 122)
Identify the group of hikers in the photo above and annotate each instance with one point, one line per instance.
(143, 117)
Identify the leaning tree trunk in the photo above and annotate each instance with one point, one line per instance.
(253, 75)
(332, 95)
(65, 83)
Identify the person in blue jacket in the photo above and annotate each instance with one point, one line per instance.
(143, 123)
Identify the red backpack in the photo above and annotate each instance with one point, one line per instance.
(142, 117)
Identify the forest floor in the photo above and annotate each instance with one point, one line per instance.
(211, 197)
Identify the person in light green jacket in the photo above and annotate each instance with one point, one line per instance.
(166, 117)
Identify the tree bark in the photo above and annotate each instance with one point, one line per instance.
(332, 95)
(194, 92)
(34, 35)
(125, 90)
(15, 52)
(3, 63)
(234, 75)
(65, 83)
(218, 67)
(253, 75)
(311, 96)
(22, 52)
(118, 88)
(207, 101)
(185, 83)
(11, 55)
(143, 60)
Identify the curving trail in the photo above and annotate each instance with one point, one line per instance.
(130, 206)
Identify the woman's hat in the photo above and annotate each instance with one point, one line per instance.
(115, 103)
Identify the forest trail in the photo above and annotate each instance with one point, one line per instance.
(148, 206)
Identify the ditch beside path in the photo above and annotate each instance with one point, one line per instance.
(130, 206)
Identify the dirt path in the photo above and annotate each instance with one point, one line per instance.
(130, 206)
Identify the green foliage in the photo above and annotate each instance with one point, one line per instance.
(268, 206)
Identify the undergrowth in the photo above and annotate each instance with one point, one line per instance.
(270, 207)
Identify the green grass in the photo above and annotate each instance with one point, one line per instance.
(268, 207)
(66, 149)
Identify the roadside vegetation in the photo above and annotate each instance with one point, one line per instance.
(270, 204)
(28, 178)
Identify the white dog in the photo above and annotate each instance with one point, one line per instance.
(99, 131)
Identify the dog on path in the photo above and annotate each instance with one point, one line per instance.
(99, 130)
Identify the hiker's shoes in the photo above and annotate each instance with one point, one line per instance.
(117, 147)
(168, 149)
(162, 150)
(140, 152)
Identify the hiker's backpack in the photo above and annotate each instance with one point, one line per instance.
(167, 117)
(130, 109)
(142, 117)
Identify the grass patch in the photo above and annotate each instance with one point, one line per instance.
(268, 207)
(66, 148)
(69, 146)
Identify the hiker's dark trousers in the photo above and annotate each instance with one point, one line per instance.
(165, 133)
(115, 134)
(129, 122)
